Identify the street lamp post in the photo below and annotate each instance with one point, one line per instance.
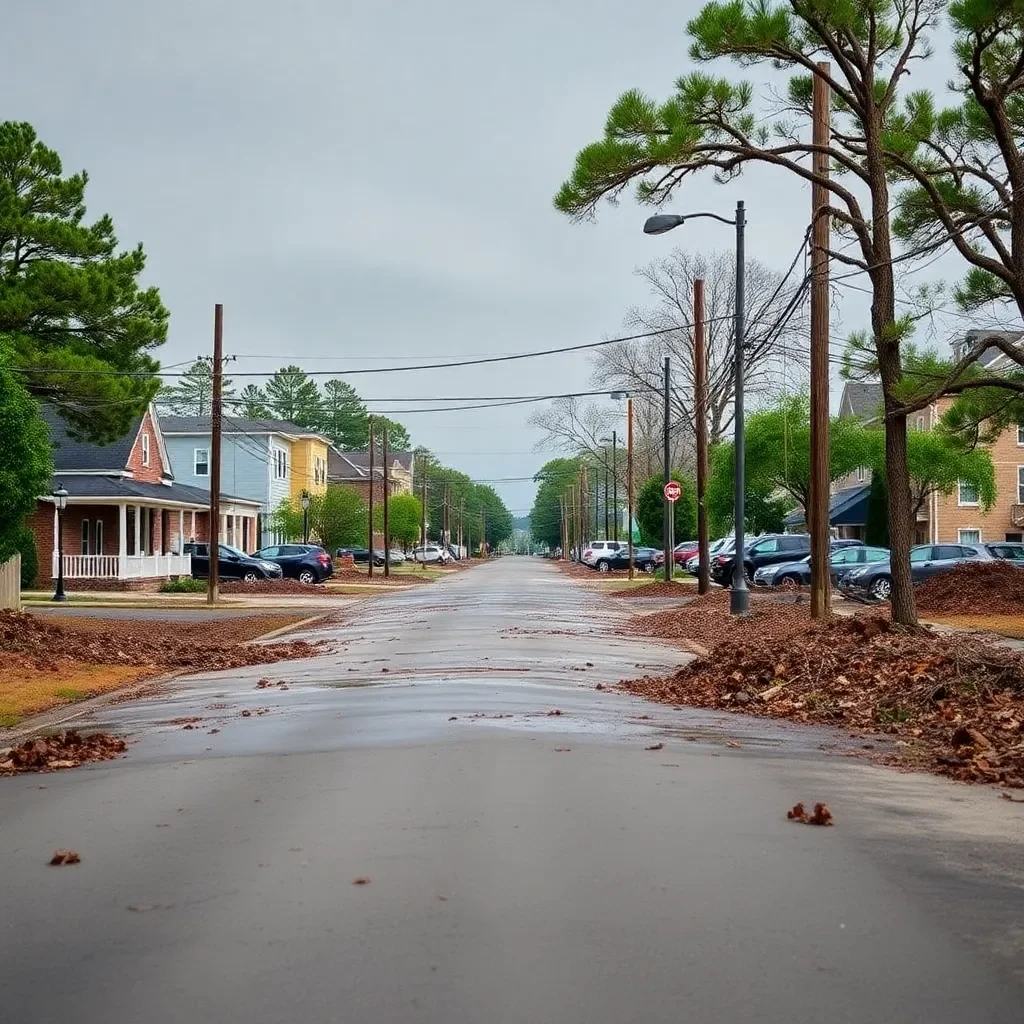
(739, 597)
(618, 396)
(305, 516)
(60, 501)
(615, 488)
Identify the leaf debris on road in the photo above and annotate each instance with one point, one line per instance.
(64, 857)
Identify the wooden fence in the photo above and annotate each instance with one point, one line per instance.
(10, 583)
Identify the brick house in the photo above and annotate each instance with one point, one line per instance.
(126, 517)
(353, 470)
(958, 517)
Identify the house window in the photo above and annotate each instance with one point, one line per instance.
(98, 536)
(967, 494)
(920, 423)
(280, 464)
(145, 449)
(1020, 485)
(969, 536)
(85, 536)
(861, 473)
(201, 462)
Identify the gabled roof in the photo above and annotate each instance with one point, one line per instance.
(70, 456)
(990, 357)
(847, 507)
(234, 425)
(862, 399)
(356, 465)
(123, 487)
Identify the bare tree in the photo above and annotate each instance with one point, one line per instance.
(775, 336)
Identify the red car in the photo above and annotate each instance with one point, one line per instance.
(683, 553)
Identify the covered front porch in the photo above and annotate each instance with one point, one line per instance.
(134, 540)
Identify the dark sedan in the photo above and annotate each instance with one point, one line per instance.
(875, 581)
(231, 565)
(798, 574)
(643, 559)
(361, 556)
(307, 563)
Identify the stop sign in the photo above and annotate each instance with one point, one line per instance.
(673, 491)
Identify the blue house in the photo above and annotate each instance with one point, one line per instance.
(257, 458)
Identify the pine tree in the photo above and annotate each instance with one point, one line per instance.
(293, 396)
(193, 394)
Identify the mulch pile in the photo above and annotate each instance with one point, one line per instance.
(661, 589)
(980, 588)
(706, 620)
(581, 571)
(281, 587)
(150, 643)
(65, 750)
(954, 704)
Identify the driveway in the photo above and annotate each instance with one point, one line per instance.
(518, 865)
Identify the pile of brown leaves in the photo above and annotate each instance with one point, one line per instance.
(149, 642)
(984, 588)
(64, 750)
(956, 704)
(707, 621)
(279, 587)
(661, 588)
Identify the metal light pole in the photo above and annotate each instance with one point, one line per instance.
(304, 501)
(739, 597)
(60, 501)
(618, 396)
(615, 488)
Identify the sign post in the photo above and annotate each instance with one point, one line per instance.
(673, 492)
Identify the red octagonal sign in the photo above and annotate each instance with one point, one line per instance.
(673, 491)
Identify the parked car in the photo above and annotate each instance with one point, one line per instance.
(396, 557)
(307, 563)
(232, 564)
(846, 555)
(693, 563)
(643, 559)
(875, 581)
(766, 550)
(431, 553)
(361, 556)
(595, 550)
(683, 553)
(1008, 551)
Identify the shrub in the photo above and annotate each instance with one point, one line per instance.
(183, 585)
(29, 559)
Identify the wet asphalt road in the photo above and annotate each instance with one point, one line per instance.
(522, 866)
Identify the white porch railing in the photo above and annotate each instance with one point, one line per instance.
(130, 567)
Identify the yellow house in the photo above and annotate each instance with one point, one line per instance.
(309, 464)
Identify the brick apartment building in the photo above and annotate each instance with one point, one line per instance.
(958, 517)
(353, 470)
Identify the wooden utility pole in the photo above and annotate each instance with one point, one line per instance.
(817, 514)
(700, 374)
(372, 469)
(483, 534)
(629, 483)
(213, 582)
(462, 516)
(423, 520)
(387, 501)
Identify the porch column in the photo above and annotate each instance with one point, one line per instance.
(122, 540)
(223, 534)
(193, 524)
(56, 541)
(181, 531)
(138, 529)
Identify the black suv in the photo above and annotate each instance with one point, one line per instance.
(232, 564)
(766, 550)
(307, 563)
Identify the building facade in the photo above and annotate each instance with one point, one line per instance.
(264, 461)
(353, 470)
(127, 517)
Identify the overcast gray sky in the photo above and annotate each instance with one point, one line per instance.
(365, 180)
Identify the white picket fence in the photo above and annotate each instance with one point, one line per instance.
(113, 567)
(10, 583)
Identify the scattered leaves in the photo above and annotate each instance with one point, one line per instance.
(64, 750)
(360, 881)
(656, 746)
(61, 858)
